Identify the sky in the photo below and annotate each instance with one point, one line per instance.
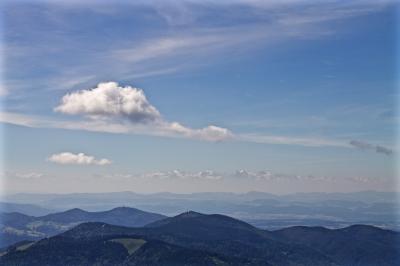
(190, 96)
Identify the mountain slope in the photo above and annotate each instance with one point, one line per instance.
(61, 250)
(212, 233)
(354, 245)
(208, 227)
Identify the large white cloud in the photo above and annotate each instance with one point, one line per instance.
(79, 158)
(128, 110)
(110, 100)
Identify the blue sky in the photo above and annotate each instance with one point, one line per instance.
(251, 95)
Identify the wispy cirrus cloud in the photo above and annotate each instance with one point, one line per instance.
(186, 33)
(179, 13)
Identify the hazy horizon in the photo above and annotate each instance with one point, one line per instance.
(8, 193)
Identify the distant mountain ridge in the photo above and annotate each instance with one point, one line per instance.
(28, 209)
(210, 240)
(16, 227)
(264, 210)
(124, 216)
(363, 196)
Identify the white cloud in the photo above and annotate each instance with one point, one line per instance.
(127, 110)
(209, 133)
(80, 158)
(110, 100)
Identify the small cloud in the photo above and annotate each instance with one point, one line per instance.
(23, 175)
(80, 159)
(368, 146)
(209, 133)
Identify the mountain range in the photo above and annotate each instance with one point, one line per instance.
(193, 238)
(264, 210)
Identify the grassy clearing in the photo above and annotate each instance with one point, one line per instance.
(131, 244)
(26, 246)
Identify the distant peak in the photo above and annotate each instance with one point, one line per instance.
(361, 227)
(74, 211)
(190, 214)
(123, 208)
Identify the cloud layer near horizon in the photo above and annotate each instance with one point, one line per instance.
(79, 159)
